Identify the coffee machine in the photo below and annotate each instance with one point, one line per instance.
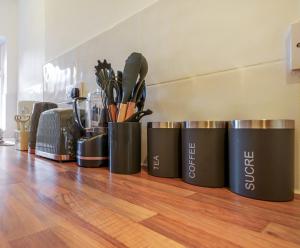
(92, 148)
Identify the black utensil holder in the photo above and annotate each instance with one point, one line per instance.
(124, 140)
(164, 149)
(261, 156)
(204, 152)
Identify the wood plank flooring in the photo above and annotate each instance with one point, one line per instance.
(47, 204)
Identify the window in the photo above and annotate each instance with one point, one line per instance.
(3, 82)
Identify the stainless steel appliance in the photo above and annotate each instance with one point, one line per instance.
(92, 148)
(38, 108)
(57, 135)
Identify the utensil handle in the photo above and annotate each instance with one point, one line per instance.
(130, 109)
(112, 108)
(22, 127)
(122, 112)
(75, 112)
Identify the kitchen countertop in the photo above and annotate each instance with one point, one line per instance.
(50, 204)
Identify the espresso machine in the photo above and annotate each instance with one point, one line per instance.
(92, 148)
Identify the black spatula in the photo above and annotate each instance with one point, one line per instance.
(130, 75)
(143, 72)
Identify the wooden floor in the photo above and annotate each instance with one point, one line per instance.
(46, 204)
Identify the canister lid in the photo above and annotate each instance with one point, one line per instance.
(262, 124)
(166, 124)
(205, 124)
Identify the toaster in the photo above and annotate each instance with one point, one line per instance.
(38, 108)
(57, 135)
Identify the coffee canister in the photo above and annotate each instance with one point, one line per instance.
(164, 149)
(204, 151)
(261, 159)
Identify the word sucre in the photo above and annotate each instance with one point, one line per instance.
(249, 170)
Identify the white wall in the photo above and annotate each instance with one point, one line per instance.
(72, 22)
(8, 29)
(47, 28)
(31, 14)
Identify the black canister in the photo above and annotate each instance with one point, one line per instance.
(204, 151)
(124, 139)
(164, 149)
(261, 159)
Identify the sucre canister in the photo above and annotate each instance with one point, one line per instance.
(261, 156)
